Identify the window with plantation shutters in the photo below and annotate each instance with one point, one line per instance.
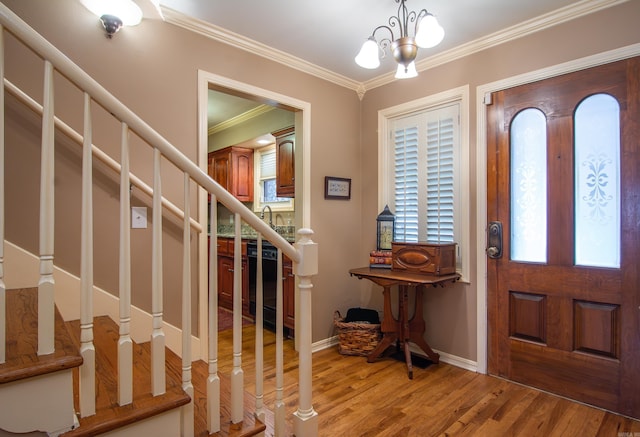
(424, 174)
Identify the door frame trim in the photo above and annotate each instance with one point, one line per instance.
(483, 93)
(303, 183)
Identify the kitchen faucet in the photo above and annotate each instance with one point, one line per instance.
(270, 215)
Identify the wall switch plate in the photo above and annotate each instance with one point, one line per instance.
(138, 217)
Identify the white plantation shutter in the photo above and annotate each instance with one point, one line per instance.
(406, 183)
(440, 181)
(268, 164)
(425, 162)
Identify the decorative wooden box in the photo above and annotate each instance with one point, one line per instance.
(422, 257)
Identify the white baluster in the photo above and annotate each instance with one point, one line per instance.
(125, 344)
(46, 292)
(87, 348)
(186, 414)
(279, 407)
(158, 378)
(3, 313)
(260, 409)
(305, 421)
(237, 374)
(213, 381)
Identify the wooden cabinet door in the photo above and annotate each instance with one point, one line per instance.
(220, 169)
(242, 174)
(225, 282)
(285, 163)
(288, 296)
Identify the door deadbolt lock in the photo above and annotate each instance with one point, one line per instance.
(494, 240)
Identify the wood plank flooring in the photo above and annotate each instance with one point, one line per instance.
(355, 398)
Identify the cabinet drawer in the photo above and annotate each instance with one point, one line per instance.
(226, 247)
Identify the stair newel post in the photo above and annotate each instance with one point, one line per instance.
(237, 374)
(46, 292)
(186, 414)
(213, 381)
(279, 407)
(305, 422)
(260, 410)
(158, 378)
(125, 344)
(3, 334)
(87, 379)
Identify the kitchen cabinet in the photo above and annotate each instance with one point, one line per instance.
(232, 167)
(226, 272)
(285, 162)
(288, 294)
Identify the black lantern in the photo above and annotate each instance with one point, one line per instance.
(386, 229)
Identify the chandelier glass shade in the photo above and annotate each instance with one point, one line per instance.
(427, 33)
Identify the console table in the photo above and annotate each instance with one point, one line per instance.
(402, 329)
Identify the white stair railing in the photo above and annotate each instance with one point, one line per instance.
(125, 343)
(187, 386)
(213, 380)
(46, 293)
(87, 348)
(237, 374)
(303, 254)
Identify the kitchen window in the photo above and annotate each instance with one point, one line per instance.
(423, 149)
(265, 180)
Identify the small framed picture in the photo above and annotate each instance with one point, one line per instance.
(337, 188)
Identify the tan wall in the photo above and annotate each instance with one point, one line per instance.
(451, 312)
(153, 69)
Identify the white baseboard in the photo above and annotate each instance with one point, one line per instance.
(445, 357)
(22, 271)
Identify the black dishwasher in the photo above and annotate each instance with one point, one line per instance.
(269, 280)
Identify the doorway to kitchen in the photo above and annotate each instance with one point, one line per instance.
(301, 218)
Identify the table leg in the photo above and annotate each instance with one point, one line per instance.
(389, 327)
(405, 333)
(417, 328)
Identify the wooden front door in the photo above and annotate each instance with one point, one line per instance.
(564, 183)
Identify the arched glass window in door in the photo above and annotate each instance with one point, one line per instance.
(597, 182)
(529, 186)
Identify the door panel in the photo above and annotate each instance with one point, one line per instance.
(566, 328)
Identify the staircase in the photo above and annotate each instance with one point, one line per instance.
(88, 375)
(30, 383)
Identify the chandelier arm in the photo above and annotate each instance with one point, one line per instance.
(383, 26)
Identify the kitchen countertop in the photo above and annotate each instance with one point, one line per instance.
(251, 236)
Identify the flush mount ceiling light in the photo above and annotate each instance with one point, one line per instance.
(427, 33)
(115, 13)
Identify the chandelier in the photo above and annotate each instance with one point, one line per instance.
(427, 33)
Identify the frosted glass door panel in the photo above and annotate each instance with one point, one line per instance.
(529, 187)
(597, 183)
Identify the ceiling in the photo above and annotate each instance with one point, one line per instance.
(323, 37)
(328, 33)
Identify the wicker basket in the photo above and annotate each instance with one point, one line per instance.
(356, 338)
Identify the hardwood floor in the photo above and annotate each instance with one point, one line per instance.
(354, 398)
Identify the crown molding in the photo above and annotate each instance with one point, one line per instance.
(239, 119)
(257, 48)
(525, 28)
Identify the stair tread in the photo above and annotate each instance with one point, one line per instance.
(22, 359)
(109, 415)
